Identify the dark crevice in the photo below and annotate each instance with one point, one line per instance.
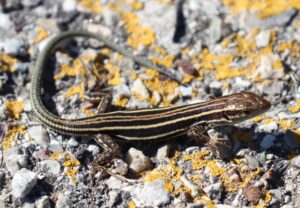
(180, 23)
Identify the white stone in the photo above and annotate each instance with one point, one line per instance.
(11, 46)
(139, 88)
(5, 22)
(22, 183)
(186, 91)
(53, 166)
(73, 142)
(114, 183)
(40, 135)
(69, 5)
(152, 194)
(156, 96)
(269, 127)
(94, 149)
(137, 161)
(267, 142)
(262, 39)
(242, 83)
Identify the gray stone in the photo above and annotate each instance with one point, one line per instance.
(253, 162)
(14, 161)
(22, 183)
(43, 202)
(296, 161)
(63, 201)
(163, 153)
(53, 166)
(267, 142)
(214, 191)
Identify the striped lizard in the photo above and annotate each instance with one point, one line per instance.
(142, 124)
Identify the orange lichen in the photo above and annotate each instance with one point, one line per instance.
(91, 5)
(15, 108)
(7, 63)
(42, 34)
(10, 136)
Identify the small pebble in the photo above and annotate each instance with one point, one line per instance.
(137, 161)
(152, 194)
(22, 183)
(53, 166)
(296, 161)
(139, 88)
(163, 153)
(186, 91)
(262, 39)
(40, 135)
(63, 201)
(5, 22)
(69, 5)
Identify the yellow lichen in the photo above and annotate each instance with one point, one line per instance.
(114, 77)
(121, 101)
(264, 8)
(286, 124)
(257, 119)
(131, 204)
(42, 34)
(91, 5)
(77, 68)
(75, 90)
(7, 63)
(15, 108)
(10, 136)
(70, 163)
(295, 108)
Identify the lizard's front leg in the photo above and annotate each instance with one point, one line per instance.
(219, 144)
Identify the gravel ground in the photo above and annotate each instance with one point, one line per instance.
(215, 48)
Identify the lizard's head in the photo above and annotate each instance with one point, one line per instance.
(242, 106)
